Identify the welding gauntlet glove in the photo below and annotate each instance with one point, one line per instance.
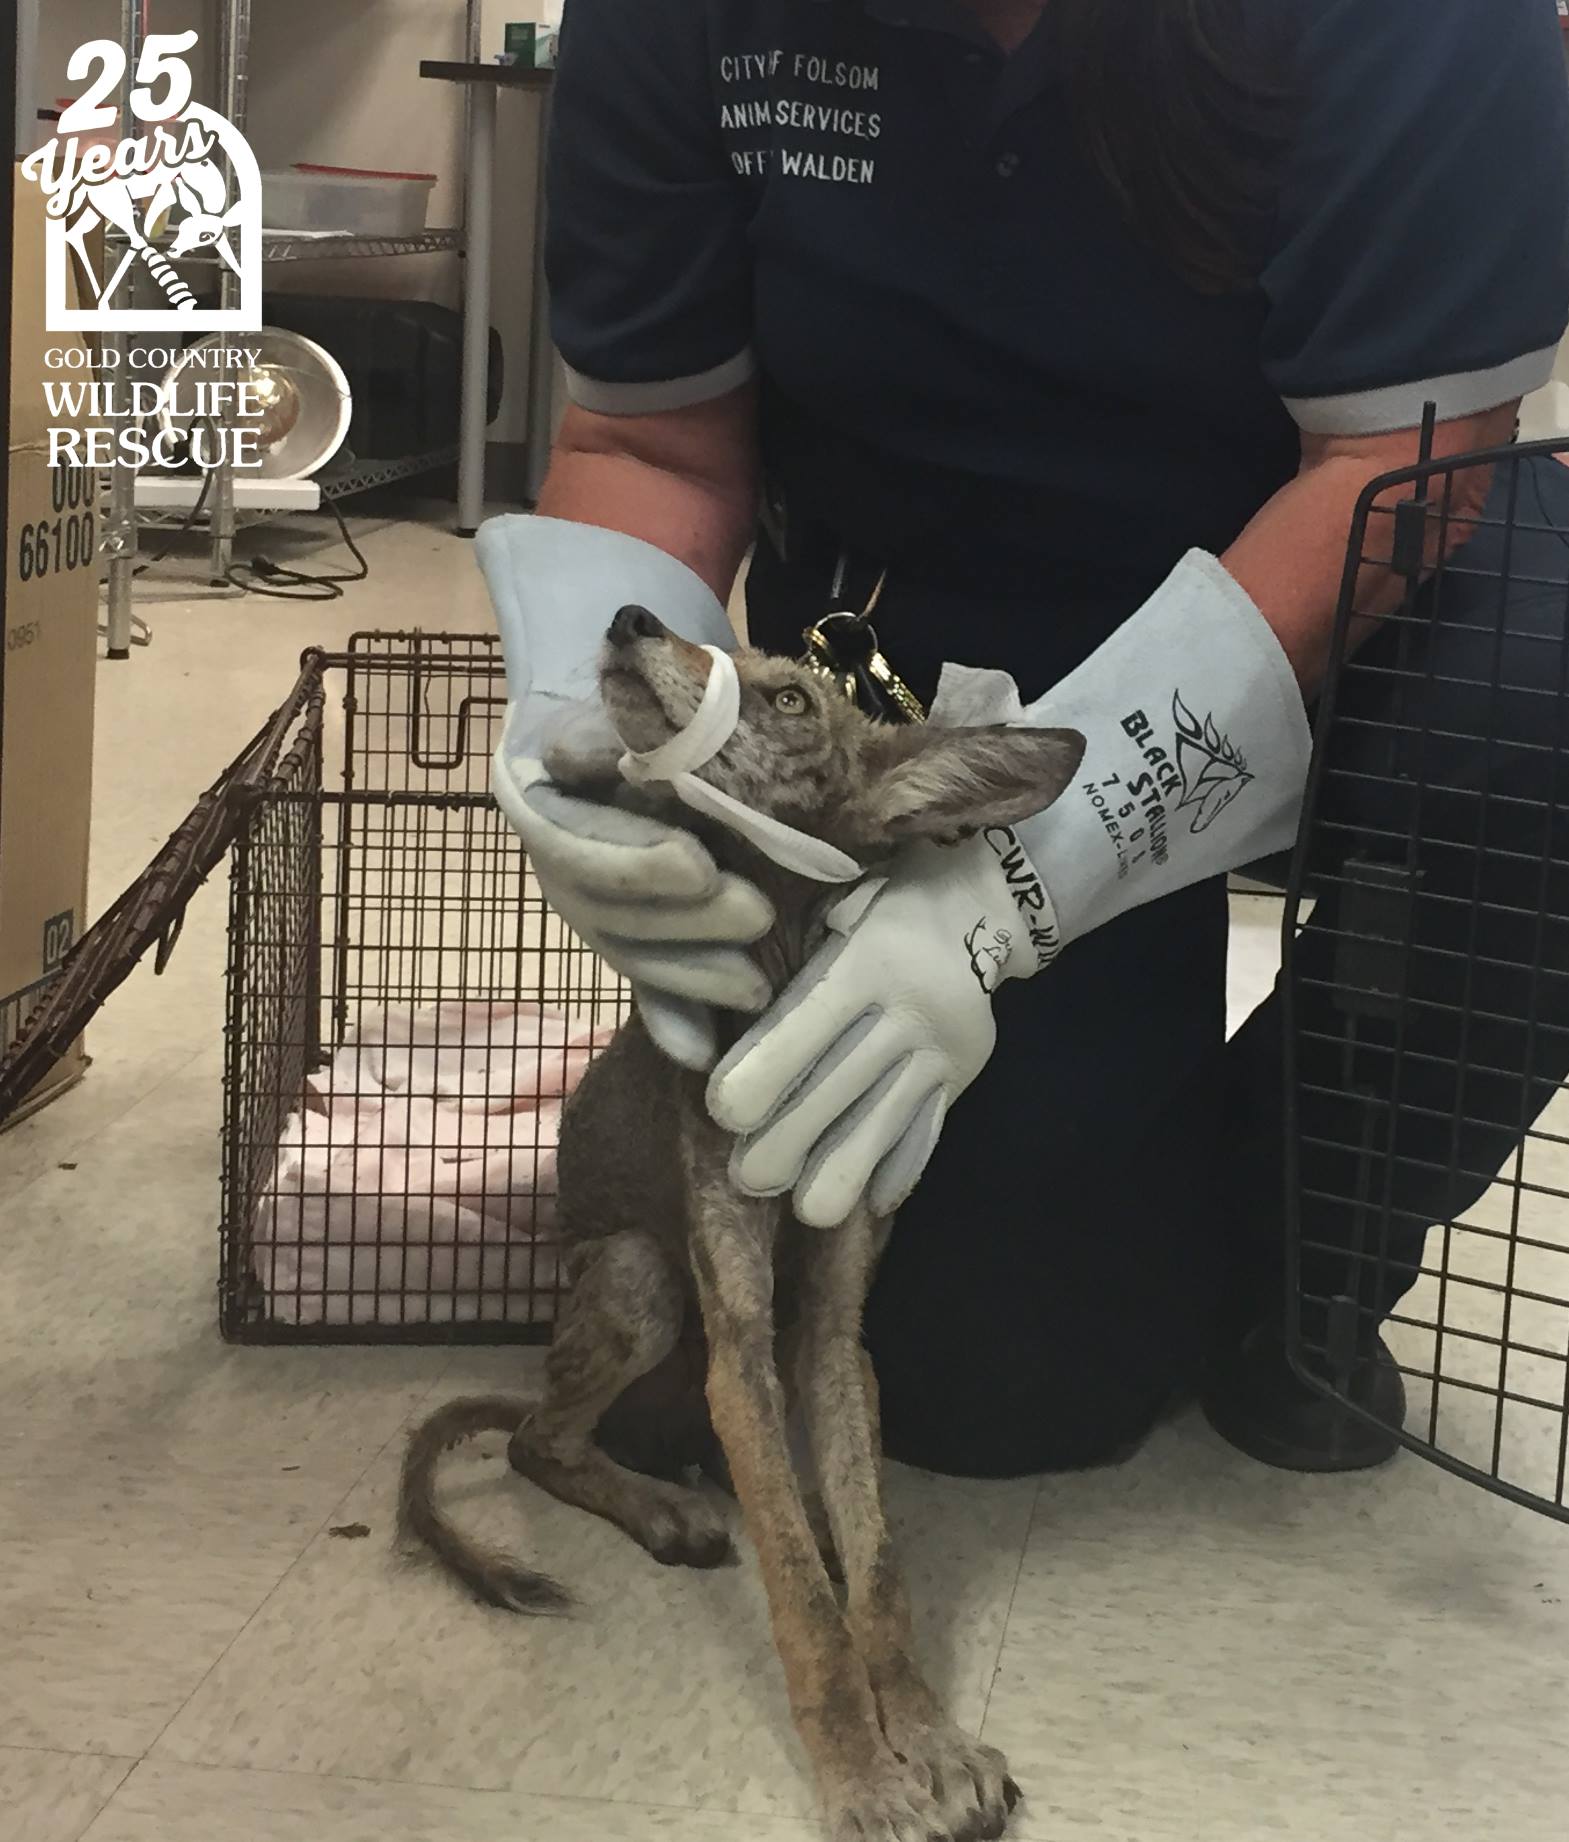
(1196, 759)
(645, 896)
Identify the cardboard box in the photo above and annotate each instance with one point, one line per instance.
(47, 665)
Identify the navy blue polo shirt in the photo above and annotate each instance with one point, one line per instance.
(969, 361)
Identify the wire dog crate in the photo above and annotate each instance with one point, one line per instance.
(404, 1018)
(1427, 962)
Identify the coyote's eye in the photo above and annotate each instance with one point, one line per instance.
(792, 702)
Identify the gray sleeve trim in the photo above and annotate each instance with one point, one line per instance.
(1380, 412)
(667, 393)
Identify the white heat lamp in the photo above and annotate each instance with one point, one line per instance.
(300, 388)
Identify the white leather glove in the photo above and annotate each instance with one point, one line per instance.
(890, 1022)
(1196, 758)
(645, 896)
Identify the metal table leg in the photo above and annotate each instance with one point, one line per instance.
(120, 527)
(233, 83)
(541, 352)
(119, 532)
(476, 306)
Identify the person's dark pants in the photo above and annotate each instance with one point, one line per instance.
(1106, 1210)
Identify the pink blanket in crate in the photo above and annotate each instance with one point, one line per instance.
(417, 1182)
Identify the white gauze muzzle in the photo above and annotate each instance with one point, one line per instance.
(678, 760)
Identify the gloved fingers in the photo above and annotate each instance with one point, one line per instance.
(772, 1158)
(734, 913)
(896, 1177)
(801, 1026)
(605, 852)
(841, 1165)
(847, 914)
(721, 976)
(680, 1028)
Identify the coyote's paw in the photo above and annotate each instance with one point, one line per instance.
(968, 1782)
(893, 1809)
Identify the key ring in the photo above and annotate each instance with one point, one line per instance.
(843, 648)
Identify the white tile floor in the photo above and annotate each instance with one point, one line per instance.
(1184, 1648)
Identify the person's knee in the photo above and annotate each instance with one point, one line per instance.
(1019, 1405)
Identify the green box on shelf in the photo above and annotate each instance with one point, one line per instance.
(530, 44)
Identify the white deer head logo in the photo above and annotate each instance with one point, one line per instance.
(989, 949)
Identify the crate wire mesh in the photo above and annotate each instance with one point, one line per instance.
(1427, 974)
(403, 1014)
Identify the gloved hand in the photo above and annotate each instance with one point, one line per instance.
(891, 1019)
(647, 897)
(1196, 758)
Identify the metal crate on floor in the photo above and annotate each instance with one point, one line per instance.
(1429, 990)
(404, 1016)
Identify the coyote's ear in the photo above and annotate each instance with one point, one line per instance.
(930, 782)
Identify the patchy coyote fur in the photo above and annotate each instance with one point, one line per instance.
(699, 1319)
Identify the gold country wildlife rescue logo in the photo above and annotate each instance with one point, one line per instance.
(179, 181)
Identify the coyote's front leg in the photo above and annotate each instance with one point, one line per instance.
(969, 1782)
(868, 1794)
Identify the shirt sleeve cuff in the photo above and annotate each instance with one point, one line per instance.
(1401, 406)
(608, 399)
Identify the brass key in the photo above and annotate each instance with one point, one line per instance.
(843, 648)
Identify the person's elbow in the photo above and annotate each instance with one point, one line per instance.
(711, 446)
(1459, 497)
(686, 480)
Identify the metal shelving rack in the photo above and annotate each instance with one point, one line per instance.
(285, 246)
(122, 524)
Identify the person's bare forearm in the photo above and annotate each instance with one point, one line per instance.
(685, 480)
(1291, 557)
